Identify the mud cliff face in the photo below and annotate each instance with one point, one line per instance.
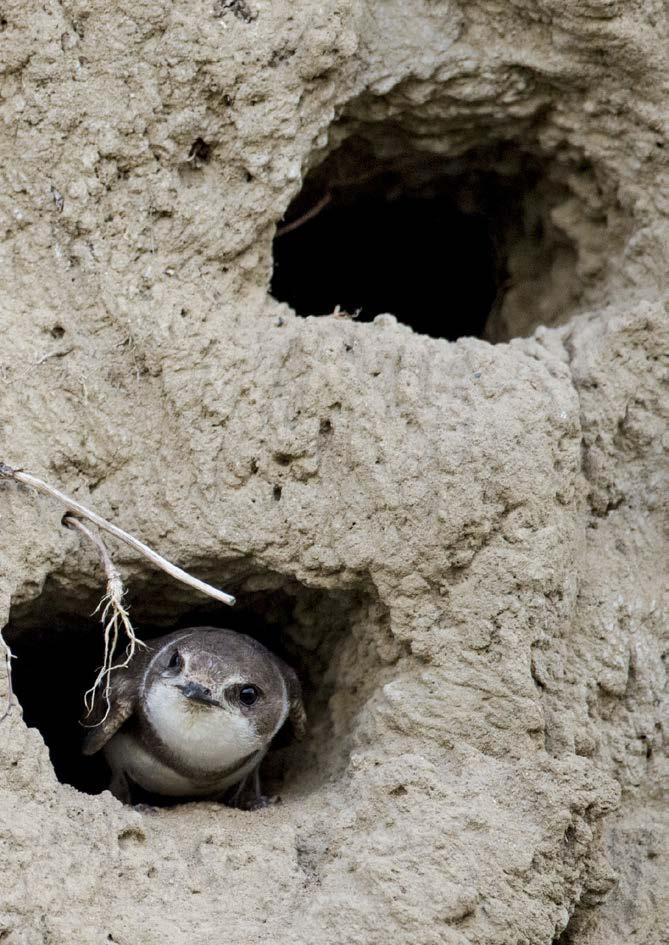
(458, 544)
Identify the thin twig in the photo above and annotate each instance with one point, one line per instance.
(309, 215)
(9, 656)
(114, 618)
(7, 472)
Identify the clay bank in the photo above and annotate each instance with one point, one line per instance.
(445, 513)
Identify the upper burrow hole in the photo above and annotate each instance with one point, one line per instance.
(451, 247)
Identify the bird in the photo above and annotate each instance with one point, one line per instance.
(193, 715)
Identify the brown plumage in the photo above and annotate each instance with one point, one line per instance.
(194, 714)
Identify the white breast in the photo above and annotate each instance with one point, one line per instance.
(126, 755)
(211, 739)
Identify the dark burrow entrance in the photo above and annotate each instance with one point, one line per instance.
(436, 242)
(420, 259)
(329, 638)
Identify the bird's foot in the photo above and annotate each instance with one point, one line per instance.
(256, 803)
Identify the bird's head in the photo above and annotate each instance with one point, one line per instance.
(208, 680)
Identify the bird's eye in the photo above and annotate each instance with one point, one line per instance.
(248, 695)
(175, 661)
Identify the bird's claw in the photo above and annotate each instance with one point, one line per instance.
(254, 803)
(146, 808)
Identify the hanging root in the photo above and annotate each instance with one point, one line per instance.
(114, 616)
(114, 619)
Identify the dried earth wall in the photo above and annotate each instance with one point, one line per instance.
(459, 545)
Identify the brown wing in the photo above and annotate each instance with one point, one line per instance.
(107, 717)
(296, 711)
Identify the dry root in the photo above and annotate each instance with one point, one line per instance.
(309, 215)
(115, 619)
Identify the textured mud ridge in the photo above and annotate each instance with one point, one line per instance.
(459, 543)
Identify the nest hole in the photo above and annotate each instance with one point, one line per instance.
(451, 247)
(329, 637)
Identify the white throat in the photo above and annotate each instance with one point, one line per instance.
(210, 739)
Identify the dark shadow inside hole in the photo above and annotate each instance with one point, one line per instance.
(57, 653)
(452, 245)
(419, 258)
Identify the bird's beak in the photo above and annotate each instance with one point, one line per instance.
(198, 693)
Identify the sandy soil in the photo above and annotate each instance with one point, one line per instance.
(460, 545)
